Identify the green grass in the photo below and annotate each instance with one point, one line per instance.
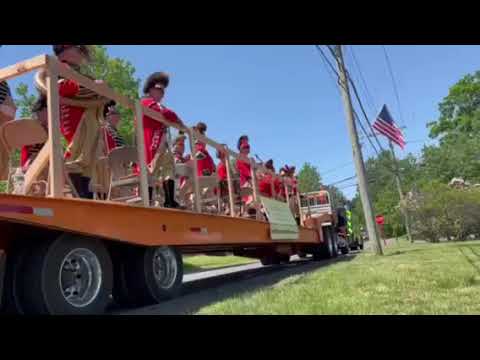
(201, 262)
(410, 279)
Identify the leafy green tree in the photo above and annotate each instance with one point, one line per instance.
(337, 197)
(309, 179)
(456, 156)
(24, 101)
(119, 74)
(460, 110)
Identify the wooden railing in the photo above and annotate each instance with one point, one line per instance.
(53, 148)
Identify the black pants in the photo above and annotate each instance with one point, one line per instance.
(81, 184)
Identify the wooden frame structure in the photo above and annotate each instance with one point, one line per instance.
(52, 152)
(121, 234)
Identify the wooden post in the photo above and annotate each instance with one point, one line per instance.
(254, 180)
(139, 132)
(404, 211)
(357, 154)
(55, 145)
(196, 185)
(230, 184)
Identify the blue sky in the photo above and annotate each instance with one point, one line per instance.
(283, 97)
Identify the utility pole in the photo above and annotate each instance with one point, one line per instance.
(357, 155)
(400, 192)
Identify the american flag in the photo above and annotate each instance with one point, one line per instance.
(386, 126)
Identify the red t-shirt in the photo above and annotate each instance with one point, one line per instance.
(154, 130)
(244, 169)
(70, 116)
(222, 171)
(29, 152)
(206, 164)
(265, 186)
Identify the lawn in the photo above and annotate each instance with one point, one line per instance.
(198, 263)
(410, 279)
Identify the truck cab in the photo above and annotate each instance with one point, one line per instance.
(316, 204)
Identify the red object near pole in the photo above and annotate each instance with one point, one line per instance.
(380, 220)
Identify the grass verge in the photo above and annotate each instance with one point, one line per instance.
(410, 279)
(199, 263)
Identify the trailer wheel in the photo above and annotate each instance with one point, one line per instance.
(71, 275)
(326, 250)
(335, 243)
(270, 259)
(12, 297)
(284, 259)
(151, 274)
(302, 255)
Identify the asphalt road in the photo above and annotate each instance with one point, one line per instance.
(205, 288)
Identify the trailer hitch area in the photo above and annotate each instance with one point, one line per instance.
(3, 266)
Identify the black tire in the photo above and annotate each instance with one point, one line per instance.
(73, 258)
(13, 296)
(361, 246)
(284, 259)
(344, 250)
(302, 255)
(139, 284)
(270, 259)
(335, 244)
(326, 250)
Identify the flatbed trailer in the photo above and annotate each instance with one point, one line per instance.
(74, 256)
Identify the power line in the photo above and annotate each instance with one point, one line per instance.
(369, 96)
(357, 96)
(347, 186)
(342, 181)
(395, 89)
(358, 99)
(327, 63)
(337, 168)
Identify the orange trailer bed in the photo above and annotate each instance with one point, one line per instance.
(138, 225)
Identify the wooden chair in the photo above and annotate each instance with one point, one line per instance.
(121, 177)
(27, 132)
(207, 184)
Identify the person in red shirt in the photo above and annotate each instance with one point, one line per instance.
(222, 172)
(179, 150)
(113, 139)
(72, 117)
(243, 166)
(156, 149)
(205, 163)
(179, 157)
(266, 183)
(243, 163)
(222, 165)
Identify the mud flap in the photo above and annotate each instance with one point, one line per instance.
(3, 266)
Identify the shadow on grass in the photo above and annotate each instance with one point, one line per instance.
(201, 293)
